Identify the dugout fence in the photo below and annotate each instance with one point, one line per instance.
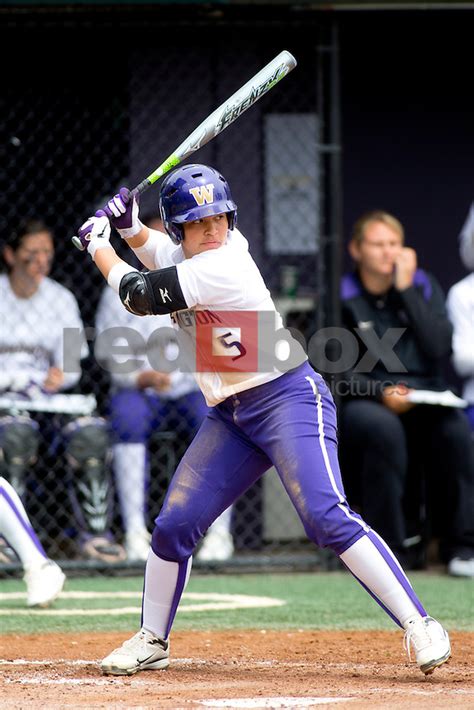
(104, 97)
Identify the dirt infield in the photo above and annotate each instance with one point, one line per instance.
(353, 669)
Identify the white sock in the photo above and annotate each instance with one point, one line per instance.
(161, 579)
(16, 527)
(131, 475)
(367, 564)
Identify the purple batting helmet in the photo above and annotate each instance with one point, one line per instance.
(193, 192)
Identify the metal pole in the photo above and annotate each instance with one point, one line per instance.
(330, 252)
(335, 239)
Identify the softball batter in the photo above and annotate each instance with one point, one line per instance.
(264, 411)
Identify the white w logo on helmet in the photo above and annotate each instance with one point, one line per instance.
(203, 194)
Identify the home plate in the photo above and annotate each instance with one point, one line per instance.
(270, 702)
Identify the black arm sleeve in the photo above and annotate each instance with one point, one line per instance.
(147, 293)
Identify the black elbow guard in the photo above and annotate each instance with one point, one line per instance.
(152, 292)
(134, 294)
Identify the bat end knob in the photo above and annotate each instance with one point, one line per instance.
(77, 243)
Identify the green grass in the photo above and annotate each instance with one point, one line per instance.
(313, 601)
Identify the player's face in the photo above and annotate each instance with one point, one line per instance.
(204, 234)
(380, 247)
(31, 262)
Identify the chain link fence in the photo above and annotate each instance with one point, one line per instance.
(129, 91)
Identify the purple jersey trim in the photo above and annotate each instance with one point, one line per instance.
(351, 286)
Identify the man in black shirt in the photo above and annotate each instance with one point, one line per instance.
(393, 446)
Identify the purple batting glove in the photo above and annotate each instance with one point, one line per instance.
(82, 240)
(93, 234)
(122, 211)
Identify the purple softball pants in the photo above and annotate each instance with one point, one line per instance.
(290, 423)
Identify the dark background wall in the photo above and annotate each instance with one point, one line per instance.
(407, 110)
(407, 105)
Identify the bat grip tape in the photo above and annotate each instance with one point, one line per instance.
(140, 188)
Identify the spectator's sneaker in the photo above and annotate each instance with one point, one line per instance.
(103, 548)
(142, 652)
(137, 545)
(44, 582)
(462, 566)
(430, 643)
(217, 546)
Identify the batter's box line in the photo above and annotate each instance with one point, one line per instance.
(214, 602)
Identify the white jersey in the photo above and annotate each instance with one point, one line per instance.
(142, 351)
(225, 279)
(32, 333)
(460, 305)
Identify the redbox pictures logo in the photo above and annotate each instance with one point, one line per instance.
(233, 341)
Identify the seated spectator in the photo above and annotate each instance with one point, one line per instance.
(44, 578)
(398, 313)
(34, 311)
(460, 304)
(142, 401)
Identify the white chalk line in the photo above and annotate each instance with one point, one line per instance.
(212, 602)
(213, 596)
(289, 702)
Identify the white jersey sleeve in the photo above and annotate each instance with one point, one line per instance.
(460, 305)
(467, 240)
(159, 251)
